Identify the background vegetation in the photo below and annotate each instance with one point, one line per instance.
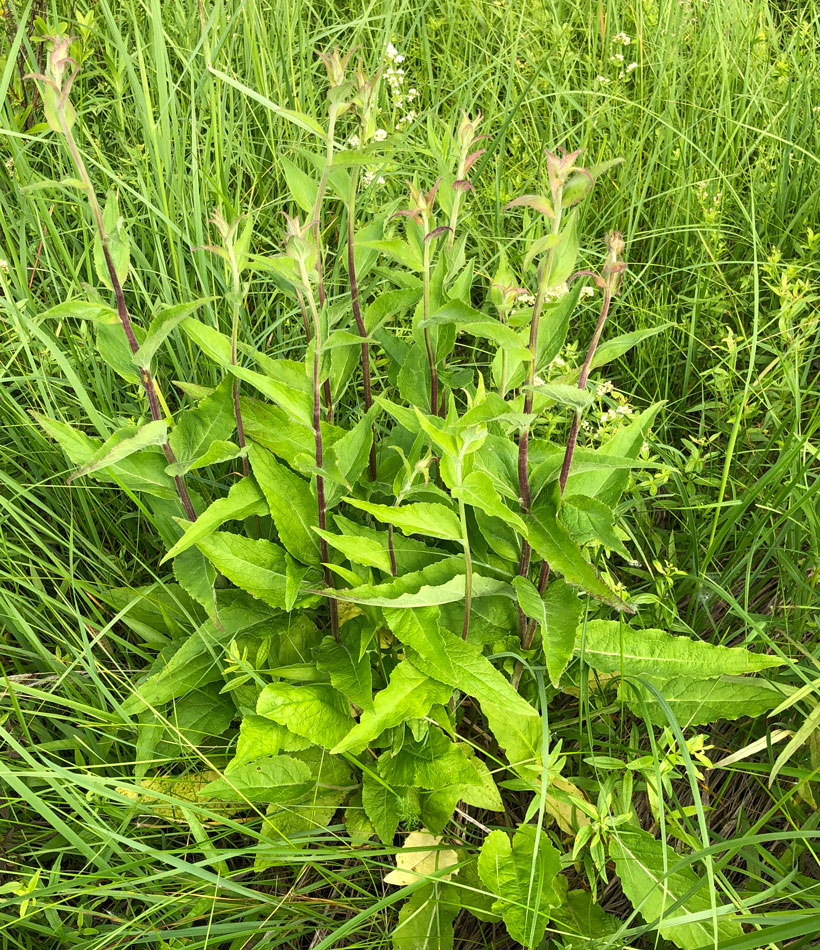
(718, 200)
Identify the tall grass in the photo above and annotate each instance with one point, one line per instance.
(722, 103)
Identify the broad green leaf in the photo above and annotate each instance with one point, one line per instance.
(243, 500)
(478, 490)
(197, 719)
(613, 349)
(122, 444)
(437, 807)
(163, 323)
(614, 647)
(477, 324)
(643, 864)
(257, 566)
(698, 702)
(551, 541)
(277, 778)
(432, 762)
(348, 456)
(314, 711)
(399, 250)
(584, 461)
(196, 429)
(296, 402)
(302, 188)
(522, 874)
(260, 737)
(143, 472)
(578, 918)
(114, 348)
(196, 575)
(214, 345)
(608, 486)
(566, 252)
(564, 395)
(442, 583)
(580, 184)
(427, 518)
(388, 305)
(359, 550)
(386, 807)
(410, 694)
(273, 428)
(349, 673)
(589, 519)
(426, 919)
(291, 502)
(563, 611)
(220, 450)
(460, 664)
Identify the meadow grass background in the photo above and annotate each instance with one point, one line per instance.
(719, 127)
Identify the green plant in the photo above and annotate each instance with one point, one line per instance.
(456, 466)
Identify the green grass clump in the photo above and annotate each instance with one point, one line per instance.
(103, 840)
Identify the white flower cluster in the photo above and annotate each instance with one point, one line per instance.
(603, 388)
(587, 291)
(369, 176)
(552, 294)
(622, 39)
(394, 74)
(617, 413)
(4, 264)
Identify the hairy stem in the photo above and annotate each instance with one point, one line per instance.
(146, 378)
(317, 207)
(468, 578)
(240, 428)
(357, 310)
(393, 568)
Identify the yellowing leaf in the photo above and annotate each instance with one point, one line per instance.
(421, 856)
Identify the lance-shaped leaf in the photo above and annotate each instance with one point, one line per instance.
(214, 345)
(477, 324)
(557, 613)
(349, 672)
(296, 402)
(122, 444)
(589, 519)
(213, 420)
(243, 500)
(291, 502)
(314, 711)
(410, 694)
(610, 646)
(644, 865)
(536, 202)
(257, 566)
(698, 702)
(580, 184)
(478, 490)
(615, 347)
(278, 778)
(386, 806)
(564, 395)
(522, 873)
(432, 762)
(551, 541)
(163, 323)
(427, 518)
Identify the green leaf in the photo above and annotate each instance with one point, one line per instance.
(257, 566)
(122, 444)
(477, 324)
(643, 864)
(295, 402)
(277, 778)
(611, 646)
(291, 502)
(564, 395)
(589, 519)
(460, 664)
(359, 550)
(259, 738)
(314, 711)
(563, 612)
(432, 762)
(579, 185)
(214, 345)
(615, 348)
(410, 694)
(478, 490)
(217, 452)
(349, 673)
(385, 806)
(302, 188)
(196, 429)
(426, 919)
(119, 246)
(608, 486)
(566, 252)
(243, 500)
(437, 807)
(273, 428)
(551, 541)
(522, 874)
(427, 518)
(114, 348)
(399, 250)
(163, 323)
(698, 702)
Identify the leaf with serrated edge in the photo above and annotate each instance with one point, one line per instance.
(312, 710)
(278, 778)
(427, 518)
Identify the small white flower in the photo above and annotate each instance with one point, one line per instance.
(616, 58)
(538, 381)
(622, 38)
(4, 264)
(604, 388)
(603, 80)
(412, 94)
(631, 66)
(588, 291)
(354, 141)
(557, 362)
(380, 135)
(381, 180)
(555, 293)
